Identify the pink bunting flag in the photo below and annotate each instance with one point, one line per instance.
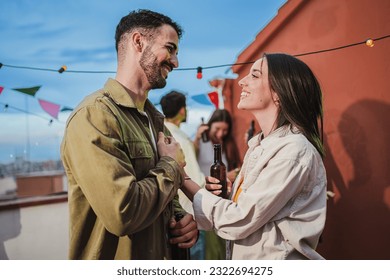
(1, 89)
(50, 108)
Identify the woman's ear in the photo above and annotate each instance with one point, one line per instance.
(275, 98)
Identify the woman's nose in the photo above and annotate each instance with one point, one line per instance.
(241, 82)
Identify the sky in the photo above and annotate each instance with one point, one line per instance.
(80, 34)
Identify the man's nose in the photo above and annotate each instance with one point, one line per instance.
(174, 60)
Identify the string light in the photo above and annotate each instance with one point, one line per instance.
(62, 69)
(370, 43)
(199, 74)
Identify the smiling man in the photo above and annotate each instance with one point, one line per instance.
(122, 167)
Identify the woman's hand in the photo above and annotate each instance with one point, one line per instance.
(213, 186)
(200, 130)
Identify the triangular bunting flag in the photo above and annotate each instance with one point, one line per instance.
(50, 108)
(30, 91)
(214, 98)
(64, 109)
(1, 89)
(202, 99)
(210, 98)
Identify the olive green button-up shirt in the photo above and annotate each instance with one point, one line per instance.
(121, 193)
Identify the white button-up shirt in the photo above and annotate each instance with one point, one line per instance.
(280, 212)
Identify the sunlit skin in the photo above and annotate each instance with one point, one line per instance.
(159, 53)
(258, 98)
(159, 59)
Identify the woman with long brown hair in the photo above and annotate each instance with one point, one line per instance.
(277, 208)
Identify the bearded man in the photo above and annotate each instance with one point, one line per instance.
(122, 165)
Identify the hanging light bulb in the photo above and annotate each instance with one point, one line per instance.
(370, 43)
(5, 107)
(62, 69)
(199, 74)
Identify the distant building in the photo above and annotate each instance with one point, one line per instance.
(41, 183)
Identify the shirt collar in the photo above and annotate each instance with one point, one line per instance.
(120, 96)
(278, 133)
(118, 93)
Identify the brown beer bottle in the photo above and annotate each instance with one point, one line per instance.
(205, 135)
(218, 170)
(180, 253)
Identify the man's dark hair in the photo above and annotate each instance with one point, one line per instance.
(146, 20)
(172, 102)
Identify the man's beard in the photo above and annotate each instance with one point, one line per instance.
(152, 69)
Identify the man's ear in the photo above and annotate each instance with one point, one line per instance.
(182, 111)
(137, 41)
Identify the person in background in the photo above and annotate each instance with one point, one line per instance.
(277, 208)
(123, 168)
(219, 131)
(173, 105)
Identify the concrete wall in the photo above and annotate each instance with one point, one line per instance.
(35, 232)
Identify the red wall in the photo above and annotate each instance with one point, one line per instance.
(356, 88)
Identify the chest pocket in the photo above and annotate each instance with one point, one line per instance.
(139, 149)
(141, 156)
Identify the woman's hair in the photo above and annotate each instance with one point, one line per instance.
(300, 96)
(228, 146)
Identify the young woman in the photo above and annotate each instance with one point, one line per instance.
(219, 131)
(277, 207)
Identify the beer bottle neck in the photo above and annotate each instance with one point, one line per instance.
(217, 153)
